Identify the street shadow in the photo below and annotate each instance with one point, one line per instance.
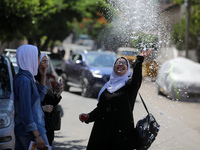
(68, 145)
(75, 92)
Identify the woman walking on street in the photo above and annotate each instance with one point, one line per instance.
(29, 117)
(113, 122)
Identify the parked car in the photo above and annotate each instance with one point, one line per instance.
(11, 53)
(57, 59)
(88, 70)
(51, 73)
(179, 79)
(7, 138)
(149, 67)
(85, 42)
(129, 53)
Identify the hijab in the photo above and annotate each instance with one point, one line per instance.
(27, 58)
(38, 76)
(116, 82)
(41, 56)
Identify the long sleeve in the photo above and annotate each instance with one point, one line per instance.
(51, 99)
(136, 80)
(42, 91)
(98, 112)
(25, 104)
(56, 100)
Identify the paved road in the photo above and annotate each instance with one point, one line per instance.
(180, 121)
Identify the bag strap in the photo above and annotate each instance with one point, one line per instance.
(143, 103)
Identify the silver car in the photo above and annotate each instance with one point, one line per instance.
(179, 79)
(7, 73)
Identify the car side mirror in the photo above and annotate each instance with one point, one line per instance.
(79, 62)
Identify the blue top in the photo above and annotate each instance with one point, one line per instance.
(29, 115)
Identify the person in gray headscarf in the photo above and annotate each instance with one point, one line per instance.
(50, 102)
(29, 117)
(113, 127)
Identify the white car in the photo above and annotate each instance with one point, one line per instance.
(179, 79)
(7, 138)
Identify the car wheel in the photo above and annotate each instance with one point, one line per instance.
(159, 91)
(64, 81)
(85, 88)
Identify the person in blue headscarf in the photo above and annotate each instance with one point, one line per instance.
(29, 117)
(113, 127)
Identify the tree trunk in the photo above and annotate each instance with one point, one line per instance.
(52, 46)
(44, 47)
(49, 37)
(198, 50)
(187, 36)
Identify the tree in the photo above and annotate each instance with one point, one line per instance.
(55, 25)
(179, 32)
(22, 18)
(15, 17)
(94, 19)
(43, 22)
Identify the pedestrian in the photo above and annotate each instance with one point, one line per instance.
(29, 117)
(113, 127)
(50, 102)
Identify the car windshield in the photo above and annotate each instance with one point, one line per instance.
(101, 60)
(16, 67)
(5, 89)
(13, 59)
(128, 53)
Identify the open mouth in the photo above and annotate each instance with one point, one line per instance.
(120, 69)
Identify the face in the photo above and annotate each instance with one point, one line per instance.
(120, 67)
(44, 62)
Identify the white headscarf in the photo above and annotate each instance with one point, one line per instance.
(27, 58)
(116, 82)
(41, 56)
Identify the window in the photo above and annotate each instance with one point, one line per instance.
(5, 89)
(76, 57)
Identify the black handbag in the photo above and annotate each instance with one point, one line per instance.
(146, 129)
(53, 120)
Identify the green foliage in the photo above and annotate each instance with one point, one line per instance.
(95, 15)
(178, 1)
(14, 16)
(144, 41)
(178, 36)
(179, 30)
(52, 19)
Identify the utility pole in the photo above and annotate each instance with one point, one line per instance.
(187, 36)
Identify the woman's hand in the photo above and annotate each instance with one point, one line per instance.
(47, 108)
(43, 68)
(40, 143)
(59, 88)
(145, 54)
(83, 117)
